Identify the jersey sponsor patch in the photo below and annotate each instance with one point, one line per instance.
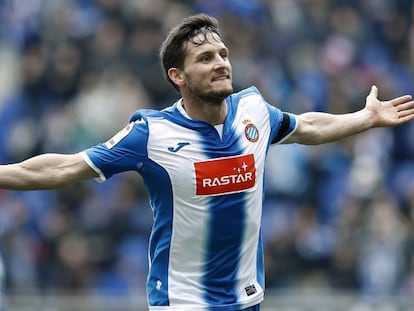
(225, 175)
(119, 136)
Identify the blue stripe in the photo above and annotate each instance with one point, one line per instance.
(226, 230)
(252, 132)
(160, 241)
(260, 263)
(226, 223)
(130, 155)
(253, 308)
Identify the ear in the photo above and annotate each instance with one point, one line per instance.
(176, 76)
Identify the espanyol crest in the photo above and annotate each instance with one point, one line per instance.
(251, 132)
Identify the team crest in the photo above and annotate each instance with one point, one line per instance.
(251, 132)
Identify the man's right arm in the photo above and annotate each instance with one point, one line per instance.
(46, 171)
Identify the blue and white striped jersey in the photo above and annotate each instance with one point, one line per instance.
(206, 193)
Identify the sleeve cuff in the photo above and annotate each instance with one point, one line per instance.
(101, 178)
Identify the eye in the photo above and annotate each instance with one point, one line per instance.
(205, 58)
(224, 54)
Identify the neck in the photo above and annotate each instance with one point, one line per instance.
(210, 112)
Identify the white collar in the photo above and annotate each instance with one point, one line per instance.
(180, 107)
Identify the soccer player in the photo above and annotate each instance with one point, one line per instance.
(202, 161)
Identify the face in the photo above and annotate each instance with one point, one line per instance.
(207, 70)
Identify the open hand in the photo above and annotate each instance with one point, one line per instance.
(391, 112)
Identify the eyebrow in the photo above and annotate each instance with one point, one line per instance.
(211, 51)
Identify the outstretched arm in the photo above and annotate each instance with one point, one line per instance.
(46, 171)
(318, 127)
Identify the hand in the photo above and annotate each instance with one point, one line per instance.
(391, 112)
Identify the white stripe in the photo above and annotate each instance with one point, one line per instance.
(101, 177)
(254, 106)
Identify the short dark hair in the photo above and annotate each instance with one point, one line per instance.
(173, 49)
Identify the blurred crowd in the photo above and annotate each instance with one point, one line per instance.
(337, 216)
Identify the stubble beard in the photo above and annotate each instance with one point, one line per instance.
(212, 97)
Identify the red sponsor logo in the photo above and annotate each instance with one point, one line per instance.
(225, 175)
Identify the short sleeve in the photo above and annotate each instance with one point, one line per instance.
(125, 151)
(284, 127)
(282, 124)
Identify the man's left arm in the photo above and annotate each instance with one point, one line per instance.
(315, 128)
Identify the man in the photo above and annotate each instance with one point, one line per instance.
(202, 161)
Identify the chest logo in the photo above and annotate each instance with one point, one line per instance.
(225, 175)
(179, 146)
(251, 132)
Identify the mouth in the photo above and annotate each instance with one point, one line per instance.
(221, 78)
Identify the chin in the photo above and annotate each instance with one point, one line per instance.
(224, 92)
(217, 96)
(227, 90)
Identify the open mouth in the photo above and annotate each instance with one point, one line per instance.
(219, 78)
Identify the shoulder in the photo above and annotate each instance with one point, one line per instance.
(248, 97)
(144, 114)
(250, 91)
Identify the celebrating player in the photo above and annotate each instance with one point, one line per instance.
(202, 161)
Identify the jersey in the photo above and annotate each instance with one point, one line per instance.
(206, 193)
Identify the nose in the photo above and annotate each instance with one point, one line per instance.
(221, 63)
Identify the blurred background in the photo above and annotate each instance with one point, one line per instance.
(338, 218)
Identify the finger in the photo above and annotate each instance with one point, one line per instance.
(374, 91)
(401, 100)
(404, 105)
(406, 115)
